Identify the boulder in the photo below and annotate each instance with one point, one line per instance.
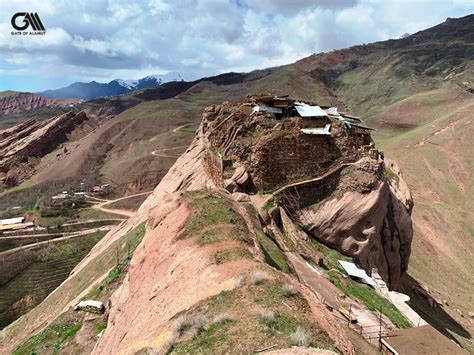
(240, 197)
(90, 306)
(230, 185)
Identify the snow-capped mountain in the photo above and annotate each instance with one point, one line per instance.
(150, 81)
(405, 35)
(94, 89)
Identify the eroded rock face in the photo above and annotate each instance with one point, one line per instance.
(32, 139)
(373, 226)
(23, 101)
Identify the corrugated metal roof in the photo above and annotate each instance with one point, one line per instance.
(319, 130)
(354, 271)
(305, 110)
(263, 108)
(12, 220)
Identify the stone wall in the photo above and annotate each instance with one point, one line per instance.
(308, 193)
(289, 156)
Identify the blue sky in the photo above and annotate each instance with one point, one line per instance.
(128, 39)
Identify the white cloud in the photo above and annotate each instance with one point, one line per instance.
(94, 45)
(105, 39)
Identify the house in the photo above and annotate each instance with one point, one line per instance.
(14, 224)
(312, 116)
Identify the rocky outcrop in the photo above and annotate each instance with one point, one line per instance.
(32, 139)
(23, 101)
(337, 186)
(373, 226)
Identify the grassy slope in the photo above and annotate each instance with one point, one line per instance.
(423, 111)
(436, 158)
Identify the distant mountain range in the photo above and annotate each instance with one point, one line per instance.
(94, 89)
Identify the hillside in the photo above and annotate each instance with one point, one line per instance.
(417, 91)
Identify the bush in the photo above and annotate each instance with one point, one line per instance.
(300, 337)
(267, 316)
(239, 282)
(221, 318)
(289, 290)
(183, 323)
(259, 277)
(199, 322)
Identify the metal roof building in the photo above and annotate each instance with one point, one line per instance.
(305, 110)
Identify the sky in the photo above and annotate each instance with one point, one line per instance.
(128, 39)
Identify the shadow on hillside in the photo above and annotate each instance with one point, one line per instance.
(430, 310)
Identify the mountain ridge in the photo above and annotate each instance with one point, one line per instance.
(94, 89)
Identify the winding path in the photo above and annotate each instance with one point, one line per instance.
(103, 202)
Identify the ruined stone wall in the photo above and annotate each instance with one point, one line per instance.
(289, 156)
(308, 193)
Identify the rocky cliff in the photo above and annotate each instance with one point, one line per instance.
(23, 101)
(336, 186)
(21, 144)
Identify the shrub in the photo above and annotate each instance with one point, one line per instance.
(221, 318)
(267, 316)
(239, 282)
(300, 337)
(169, 343)
(259, 277)
(183, 323)
(289, 290)
(199, 322)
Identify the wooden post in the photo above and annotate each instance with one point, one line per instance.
(380, 329)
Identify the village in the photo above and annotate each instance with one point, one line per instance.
(59, 201)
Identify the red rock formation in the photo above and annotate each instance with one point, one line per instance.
(32, 139)
(23, 101)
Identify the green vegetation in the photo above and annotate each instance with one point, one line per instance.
(290, 243)
(273, 202)
(248, 331)
(370, 298)
(190, 128)
(203, 342)
(209, 210)
(366, 294)
(222, 233)
(47, 270)
(223, 256)
(273, 255)
(330, 256)
(389, 174)
(133, 239)
(56, 335)
(101, 326)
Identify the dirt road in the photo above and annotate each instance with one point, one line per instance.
(101, 203)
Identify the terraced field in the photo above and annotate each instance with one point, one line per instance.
(41, 277)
